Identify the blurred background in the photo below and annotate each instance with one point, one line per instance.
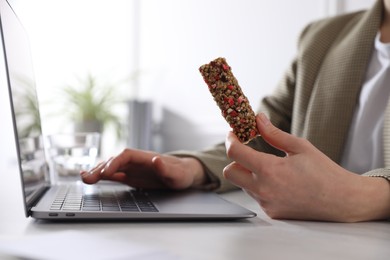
(129, 68)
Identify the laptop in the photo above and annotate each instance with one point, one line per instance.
(44, 199)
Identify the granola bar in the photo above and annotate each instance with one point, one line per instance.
(229, 97)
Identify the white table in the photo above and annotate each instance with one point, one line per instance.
(255, 238)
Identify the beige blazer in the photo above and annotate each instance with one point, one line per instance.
(317, 96)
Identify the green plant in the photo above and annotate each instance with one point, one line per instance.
(89, 101)
(27, 111)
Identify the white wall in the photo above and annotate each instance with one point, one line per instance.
(352, 5)
(173, 38)
(257, 37)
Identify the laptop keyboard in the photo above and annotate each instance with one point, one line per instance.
(73, 199)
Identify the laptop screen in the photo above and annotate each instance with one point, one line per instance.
(18, 70)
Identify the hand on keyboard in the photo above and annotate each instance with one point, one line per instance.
(149, 170)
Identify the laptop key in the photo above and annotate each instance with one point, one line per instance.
(148, 209)
(111, 209)
(130, 209)
(91, 208)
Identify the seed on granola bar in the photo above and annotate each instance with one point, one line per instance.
(229, 97)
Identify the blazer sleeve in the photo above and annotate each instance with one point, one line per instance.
(213, 160)
(382, 173)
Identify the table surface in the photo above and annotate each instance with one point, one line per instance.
(254, 238)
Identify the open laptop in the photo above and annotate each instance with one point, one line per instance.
(53, 201)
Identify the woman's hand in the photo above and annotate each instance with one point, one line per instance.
(143, 169)
(305, 184)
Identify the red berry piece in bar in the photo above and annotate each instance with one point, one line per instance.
(229, 97)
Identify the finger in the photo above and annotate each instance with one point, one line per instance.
(276, 137)
(123, 160)
(104, 174)
(249, 158)
(239, 176)
(92, 176)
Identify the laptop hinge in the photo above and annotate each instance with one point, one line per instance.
(38, 194)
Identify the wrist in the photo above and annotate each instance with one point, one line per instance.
(380, 200)
(371, 200)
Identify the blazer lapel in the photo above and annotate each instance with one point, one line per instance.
(336, 91)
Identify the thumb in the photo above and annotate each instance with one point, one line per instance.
(158, 165)
(276, 137)
(165, 168)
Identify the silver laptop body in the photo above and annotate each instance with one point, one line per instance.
(77, 201)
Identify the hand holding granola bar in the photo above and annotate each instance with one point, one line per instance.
(229, 97)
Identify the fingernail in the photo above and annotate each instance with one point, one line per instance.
(264, 119)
